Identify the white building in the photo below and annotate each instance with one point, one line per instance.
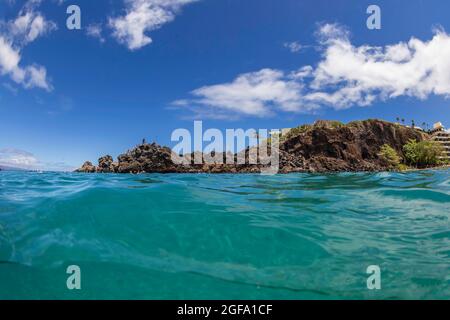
(282, 132)
(439, 134)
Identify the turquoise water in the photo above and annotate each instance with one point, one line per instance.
(298, 236)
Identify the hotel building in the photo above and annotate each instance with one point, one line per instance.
(439, 134)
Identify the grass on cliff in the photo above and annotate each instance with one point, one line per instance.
(307, 127)
(328, 124)
(296, 132)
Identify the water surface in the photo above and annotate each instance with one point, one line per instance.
(297, 236)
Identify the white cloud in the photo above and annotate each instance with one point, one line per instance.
(330, 31)
(349, 75)
(9, 58)
(302, 73)
(141, 17)
(20, 159)
(294, 47)
(95, 31)
(29, 25)
(398, 52)
(29, 76)
(14, 36)
(253, 93)
(17, 158)
(345, 76)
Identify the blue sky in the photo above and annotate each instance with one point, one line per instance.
(75, 95)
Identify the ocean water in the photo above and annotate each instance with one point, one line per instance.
(297, 236)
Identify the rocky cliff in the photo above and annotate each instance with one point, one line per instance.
(331, 146)
(326, 146)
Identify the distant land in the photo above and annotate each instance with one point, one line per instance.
(325, 146)
(8, 168)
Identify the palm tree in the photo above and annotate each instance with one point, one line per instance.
(403, 120)
(257, 136)
(398, 119)
(413, 123)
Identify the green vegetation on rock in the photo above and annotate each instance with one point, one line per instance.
(297, 131)
(390, 156)
(423, 153)
(336, 124)
(328, 124)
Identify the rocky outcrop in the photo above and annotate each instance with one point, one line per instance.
(87, 167)
(106, 165)
(329, 146)
(326, 146)
(147, 158)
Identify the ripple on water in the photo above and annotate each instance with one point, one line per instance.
(227, 236)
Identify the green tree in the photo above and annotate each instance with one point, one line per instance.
(423, 154)
(389, 156)
(411, 152)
